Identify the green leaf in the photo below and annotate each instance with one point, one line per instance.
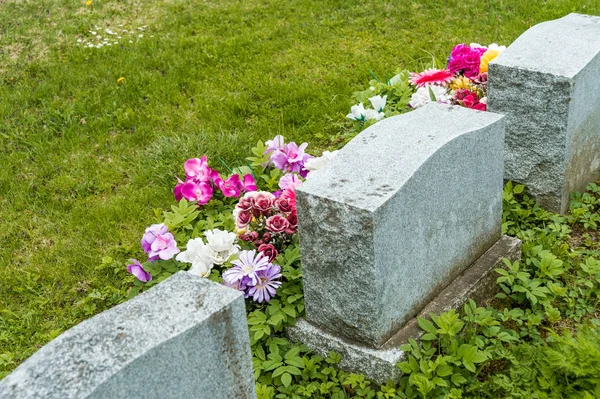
(286, 379)
(426, 325)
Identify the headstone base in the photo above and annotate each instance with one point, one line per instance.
(478, 282)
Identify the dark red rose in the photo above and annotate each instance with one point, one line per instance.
(277, 224)
(243, 219)
(266, 237)
(249, 236)
(245, 204)
(269, 251)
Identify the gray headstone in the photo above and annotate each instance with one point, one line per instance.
(547, 83)
(402, 210)
(185, 338)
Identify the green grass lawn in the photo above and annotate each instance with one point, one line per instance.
(85, 160)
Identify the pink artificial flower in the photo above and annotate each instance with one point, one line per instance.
(196, 191)
(288, 180)
(290, 158)
(431, 76)
(284, 205)
(290, 195)
(197, 169)
(137, 269)
(277, 224)
(466, 59)
(177, 190)
(150, 235)
(164, 246)
(292, 219)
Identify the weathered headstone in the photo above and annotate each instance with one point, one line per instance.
(547, 83)
(185, 338)
(402, 211)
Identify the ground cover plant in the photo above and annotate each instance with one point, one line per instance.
(92, 135)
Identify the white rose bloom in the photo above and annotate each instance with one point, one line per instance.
(199, 255)
(222, 245)
(372, 114)
(378, 102)
(423, 97)
(357, 112)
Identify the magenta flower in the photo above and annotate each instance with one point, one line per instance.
(248, 184)
(246, 266)
(197, 169)
(177, 190)
(150, 235)
(138, 271)
(164, 247)
(466, 59)
(266, 286)
(196, 191)
(230, 186)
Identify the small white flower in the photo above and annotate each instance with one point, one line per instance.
(357, 112)
(131, 41)
(140, 35)
(79, 40)
(423, 96)
(94, 33)
(314, 164)
(199, 255)
(475, 45)
(99, 45)
(372, 114)
(372, 88)
(222, 245)
(378, 102)
(119, 37)
(499, 49)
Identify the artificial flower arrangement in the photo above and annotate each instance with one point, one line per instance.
(463, 82)
(239, 230)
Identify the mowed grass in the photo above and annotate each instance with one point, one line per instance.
(85, 160)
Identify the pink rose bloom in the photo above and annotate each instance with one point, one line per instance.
(277, 224)
(243, 219)
(263, 201)
(466, 59)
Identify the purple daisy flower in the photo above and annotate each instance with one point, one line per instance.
(246, 266)
(138, 271)
(267, 284)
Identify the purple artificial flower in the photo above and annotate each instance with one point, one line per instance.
(246, 266)
(290, 158)
(150, 235)
(240, 285)
(138, 271)
(275, 144)
(288, 180)
(267, 284)
(164, 247)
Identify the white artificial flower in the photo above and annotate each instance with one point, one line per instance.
(314, 164)
(476, 45)
(499, 49)
(483, 100)
(395, 80)
(199, 255)
(222, 245)
(372, 114)
(422, 96)
(357, 112)
(378, 102)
